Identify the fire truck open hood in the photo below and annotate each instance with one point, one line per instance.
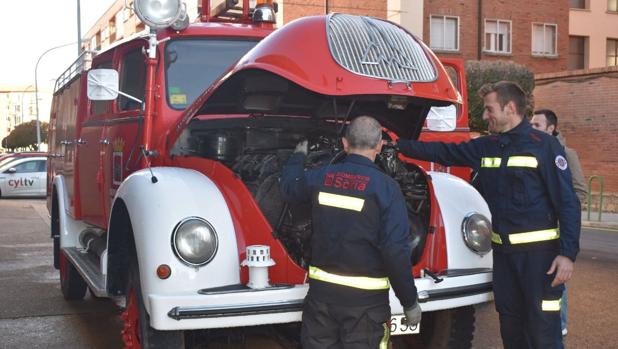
(333, 66)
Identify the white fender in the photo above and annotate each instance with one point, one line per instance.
(457, 198)
(156, 208)
(69, 227)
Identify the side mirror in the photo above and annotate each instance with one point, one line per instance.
(102, 84)
(11, 170)
(442, 119)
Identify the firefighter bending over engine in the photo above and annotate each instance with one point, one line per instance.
(359, 244)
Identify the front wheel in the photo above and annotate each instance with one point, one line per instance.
(71, 283)
(444, 329)
(136, 332)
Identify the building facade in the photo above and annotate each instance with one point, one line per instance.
(533, 33)
(586, 102)
(18, 105)
(593, 34)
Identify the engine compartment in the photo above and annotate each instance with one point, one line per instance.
(257, 149)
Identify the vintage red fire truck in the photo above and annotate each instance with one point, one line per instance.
(166, 150)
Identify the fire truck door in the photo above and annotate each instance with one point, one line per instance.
(124, 129)
(92, 144)
(91, 174)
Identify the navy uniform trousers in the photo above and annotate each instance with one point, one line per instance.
(529, 307)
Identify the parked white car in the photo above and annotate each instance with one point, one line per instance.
(24, 177)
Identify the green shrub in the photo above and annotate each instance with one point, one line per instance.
(24, 136)
(479, 73)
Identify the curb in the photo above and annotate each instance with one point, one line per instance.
(602, 225)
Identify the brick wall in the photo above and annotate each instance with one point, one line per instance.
(299, 8)
(586, 102)
(522, 14)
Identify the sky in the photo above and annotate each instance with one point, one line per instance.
(30, 27)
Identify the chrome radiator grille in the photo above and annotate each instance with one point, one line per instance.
(376, 48)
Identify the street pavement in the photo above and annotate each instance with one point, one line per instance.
(33, 313)
(592, 301)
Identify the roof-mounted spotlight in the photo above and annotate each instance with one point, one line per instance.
(158, 14)
(183, 21)
(264, 12)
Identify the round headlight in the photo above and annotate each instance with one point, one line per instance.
(195, 241)
(158, 14)
(476, 230)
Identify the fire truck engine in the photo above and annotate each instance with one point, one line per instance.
(166, 151)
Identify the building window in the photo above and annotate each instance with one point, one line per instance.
(578, 4)
(544, 39)
(93, 43)
(444, 33)
(128, 11)
(119, 24)
(612, 52)
(612, 5)
(111, 25)
(577, 52)
(139, 26)
(497, 36)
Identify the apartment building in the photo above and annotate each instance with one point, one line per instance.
(593, 34)
(18, 105)
(534, 33)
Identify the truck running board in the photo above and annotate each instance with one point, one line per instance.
(88, 267)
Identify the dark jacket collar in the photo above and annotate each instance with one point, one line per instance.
(516, 132)
(522, 128)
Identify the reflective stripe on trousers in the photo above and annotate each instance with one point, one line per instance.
(527, 237)
(362, 282)
(551, 305)
(384, 341)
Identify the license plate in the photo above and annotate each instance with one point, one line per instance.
(398, 326)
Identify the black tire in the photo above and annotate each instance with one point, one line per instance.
(147, 337)
(71, 283)
(444, 329)
(55, 230)
(56, 241)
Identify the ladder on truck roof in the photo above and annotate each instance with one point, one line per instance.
(81, 64)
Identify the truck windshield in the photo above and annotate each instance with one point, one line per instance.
(191, 65)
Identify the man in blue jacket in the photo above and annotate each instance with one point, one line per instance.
(358, 246)
(524, 177)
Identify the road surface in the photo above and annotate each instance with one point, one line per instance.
(33, 313)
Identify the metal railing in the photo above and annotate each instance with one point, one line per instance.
(600, 178)
(81, 63)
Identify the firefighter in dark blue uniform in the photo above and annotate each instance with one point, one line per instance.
(358, 246)
(524, 177)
